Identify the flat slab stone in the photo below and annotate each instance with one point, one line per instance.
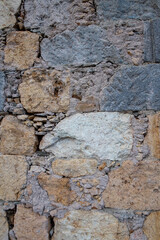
(134, 186)
(84, 46)
(91, 135)
(133, 89)
(127, 9)
(2, 85)
(85, 225)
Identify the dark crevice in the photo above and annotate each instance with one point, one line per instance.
(51, 232)
(95, 7)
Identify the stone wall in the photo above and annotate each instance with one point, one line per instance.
(80, 120)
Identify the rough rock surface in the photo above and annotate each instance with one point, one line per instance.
(134, 186)
(59, 190)
(93, 225)
(22, 49)
(91, 135)
(8, 9)
(45, 90)
(153, 135)
(29, 225)
(16, 138)
(74, 167)
(51, 17)
(2, 84)
(127, 9)
(13, 170)
(152, 226)
(133, 88)
(84, 46)
(3, 225)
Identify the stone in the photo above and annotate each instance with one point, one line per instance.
(152, 226)
(30, 225)
(2, 85)
(98, 135)
(133, 88)
(8, 9)
(74, 167)
(152, 38)
(86, 45)
(45, 90)
(3, 225)
(16, 138)
(58, 189)
(13, 170)
(54, 17)
(21, 49)
(127, 9)
(134, 186)
(153, 135)
(82, 225)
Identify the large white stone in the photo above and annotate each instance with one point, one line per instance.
(94, 135)
(8, 10)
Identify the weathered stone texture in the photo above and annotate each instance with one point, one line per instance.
(91, 135)
(52, 17)
(153, 135)
(13, 170)
(74, 167)
(133, 88)
(16, 138)
(2, 85)
(45, 90)
(58, 189)
(21, 49)
(127, 9)
(3, 225)
(152, 38)
(8, 9)
(134, 186)
(29, 225)
(152, 226)
(84, 46)
(93, 225)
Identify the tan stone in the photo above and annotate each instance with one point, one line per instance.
(134, 186)
(45, 90)
(8, 10)
(92, 225)
(74, 167)
(57, 189)
(88, 105)
(22, 49)
(153, 136)
(3, 225)
(13, 171)
(152, 226)
(16, 138)
(29, 225)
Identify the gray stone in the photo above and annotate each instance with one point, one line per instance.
(2, 84)
(152, 39)
(92, 135)
(127, 9)
(133, 88)
(84, 46)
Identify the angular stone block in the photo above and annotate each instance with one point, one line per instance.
(152, 226)
(29, 225)
(84, 46)
(2, 85)
(13, 170)
(92, 135)
(152, 39)
(83, 225)
(134, 186)
(133, 89)
(8, 9)
(45, 90)
(17, 138)
(21, 49)
(3, 225)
